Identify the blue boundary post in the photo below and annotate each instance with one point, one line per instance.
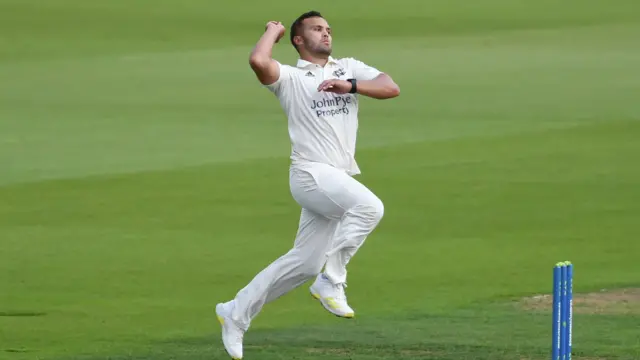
(563, 314)
(569, 308)
(557, 296)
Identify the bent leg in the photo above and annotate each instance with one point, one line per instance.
(357, 209)
(358, 212)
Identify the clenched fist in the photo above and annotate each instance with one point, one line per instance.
(276, 27)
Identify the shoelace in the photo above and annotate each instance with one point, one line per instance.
(340, 289)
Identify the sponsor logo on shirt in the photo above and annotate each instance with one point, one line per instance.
(332, 106)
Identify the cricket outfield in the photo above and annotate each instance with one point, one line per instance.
(144, 178)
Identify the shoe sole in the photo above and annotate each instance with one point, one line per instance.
(221, 321)
(346, 316)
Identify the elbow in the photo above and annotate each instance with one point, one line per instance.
(257, 61)
(394, 91)
(390, 92)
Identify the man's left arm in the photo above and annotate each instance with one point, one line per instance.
(380, 87)
(367, 81)
(372, 82)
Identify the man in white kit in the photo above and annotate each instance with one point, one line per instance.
(319, 97)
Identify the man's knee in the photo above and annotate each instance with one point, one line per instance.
(379, 210)
(370, 211)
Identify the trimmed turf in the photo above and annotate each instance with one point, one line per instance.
(144, 178)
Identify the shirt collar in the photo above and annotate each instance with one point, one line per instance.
(303, 64)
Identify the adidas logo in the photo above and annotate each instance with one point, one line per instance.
(309, 74)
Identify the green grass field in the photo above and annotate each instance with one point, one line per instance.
(144, 178)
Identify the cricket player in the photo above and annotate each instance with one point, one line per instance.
(320, 99)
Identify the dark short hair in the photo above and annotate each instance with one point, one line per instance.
(296, 27)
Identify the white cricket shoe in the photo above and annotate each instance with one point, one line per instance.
(232, 335)
(332, 296)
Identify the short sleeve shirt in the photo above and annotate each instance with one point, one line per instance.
(322, 126)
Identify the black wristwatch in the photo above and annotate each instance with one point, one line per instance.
(354, 86)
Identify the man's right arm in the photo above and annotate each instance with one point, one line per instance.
(266, 69)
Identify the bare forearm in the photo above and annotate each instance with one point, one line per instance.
(262, 51)
(382, 87)
(260, 60)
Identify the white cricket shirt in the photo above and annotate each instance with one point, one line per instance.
(322, 126)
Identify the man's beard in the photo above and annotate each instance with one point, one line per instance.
(320, 49)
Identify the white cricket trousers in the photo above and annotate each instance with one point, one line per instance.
(338, 213)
